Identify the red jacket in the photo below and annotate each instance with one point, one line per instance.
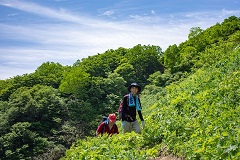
(104, 128)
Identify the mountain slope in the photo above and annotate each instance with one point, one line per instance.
(190, 114)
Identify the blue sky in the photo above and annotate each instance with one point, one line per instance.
(36, 31)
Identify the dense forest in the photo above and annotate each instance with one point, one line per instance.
(190, 97)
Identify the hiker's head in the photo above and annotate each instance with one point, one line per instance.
(134, 88)
(112, 118)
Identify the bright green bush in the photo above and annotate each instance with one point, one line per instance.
(128, 146)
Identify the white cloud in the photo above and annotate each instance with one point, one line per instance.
(153, 12)
(12, 14)
(37, 9)
(108, 13)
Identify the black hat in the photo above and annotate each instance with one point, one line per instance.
(136, 85)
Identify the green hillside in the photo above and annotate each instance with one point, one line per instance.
(198, 117)
(190, 100)
(195, 117)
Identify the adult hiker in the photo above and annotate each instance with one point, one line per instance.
(130, 106)
(108, 126)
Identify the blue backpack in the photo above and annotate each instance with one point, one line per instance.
(104, 119)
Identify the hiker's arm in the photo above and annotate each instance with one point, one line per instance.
(116, 130)
(140, 115)
(99, 129)
(140, 112)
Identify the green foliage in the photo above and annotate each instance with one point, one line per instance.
(164, 79)
(145, 61)
(100, 64)
(30, 115)
(218, 51)
(128, 146)
(186, 56)
(105, 93)
(198, 117)
(21, 142)
(230, 25)
(50, 74)
(78, 119)
(171, 57)
(37, 104)
(75, 82)
(114, 89)
(194, 32)
(126, 71)
(6, 89)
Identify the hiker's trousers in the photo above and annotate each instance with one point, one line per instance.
(131, 126)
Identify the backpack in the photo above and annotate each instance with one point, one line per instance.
(120, 108)
(104, 119)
